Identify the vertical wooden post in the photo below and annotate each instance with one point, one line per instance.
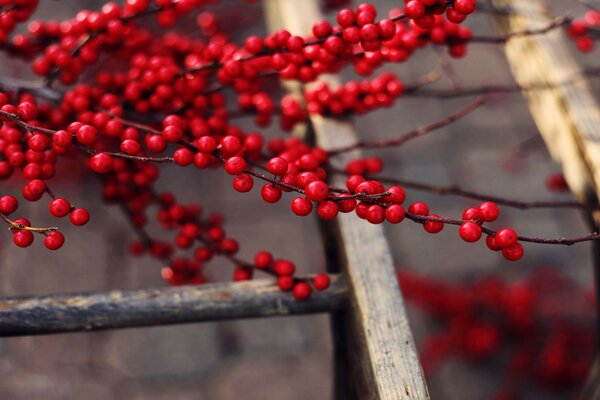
(382, 353)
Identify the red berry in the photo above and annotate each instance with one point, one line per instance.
(285, 282)
(513, 252)
(491, 243)
(8, 204)
(284, 267)
(489, 211)
(79, 216)
(419, 208)
(414, 9)
(263, 260)
(506, 237)
(60, 207)
(395, 213)
(183, 157)
(101, 163)
(316, 190)
(206, 144)
(321, 281)
(301, 206)
(375, 214)
(243, 183)
(23, 238)
(301, 291)
(235, 165)
(277, 166)
(471, 214)
(433, 226)
(327, 210)
(397, 195)
(470, 232)
(464, 6)
(54, 240)
(270, 193)
(87, 135)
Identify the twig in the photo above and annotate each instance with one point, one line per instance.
(400, 140)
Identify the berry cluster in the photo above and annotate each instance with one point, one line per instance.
(159, 101)
(580, 30)
(12, 13)
(354, 97)
(531, 320)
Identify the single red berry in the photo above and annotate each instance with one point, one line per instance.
(285, 283)
(433, 226)
(375, 214)
(414, 9)
(284, 267)
(101, 163)
(419, 208)
(321, 281)
(513, 252)
(79, 216)
(172, 133)
(301, 206)
(506, 237)
(54, 240)
(470, 232)
(23, 238)
(86, 135)
(471, 214)
(491, 243)
(263, 260)
(60, 207)
(270, 193)
(464, 6)
(231, 145)
(183, 157)
(489, 211)
(316, 190)
(327, 210)
(243, 183)
(8, 204)
(395, 213)
(301, 291)
(397, 195)
(235, 165)
(277, 166)
(206, 144)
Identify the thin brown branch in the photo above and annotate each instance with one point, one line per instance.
(421, 131)
(561, 241)
(17, 226)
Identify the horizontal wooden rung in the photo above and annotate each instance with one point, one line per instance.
(117, 309)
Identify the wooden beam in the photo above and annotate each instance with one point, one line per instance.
(161, 306)
(383, 357)
(567, 116)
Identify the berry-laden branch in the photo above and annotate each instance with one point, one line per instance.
(160, 101)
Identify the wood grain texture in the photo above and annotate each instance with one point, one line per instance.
(567, 116)
(160, 306)
(383, 357)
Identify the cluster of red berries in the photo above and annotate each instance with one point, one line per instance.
(354, 97)
(13, 13)
(504, 240)
(531, 319)
(580, 29)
